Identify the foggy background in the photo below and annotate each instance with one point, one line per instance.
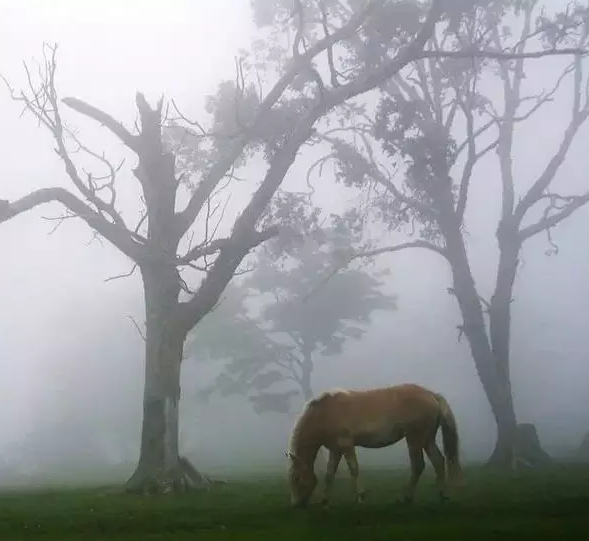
(71, 361)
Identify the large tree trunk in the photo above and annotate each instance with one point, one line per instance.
(496, 387)
(521, 440)
(160, 468)
(500, 337)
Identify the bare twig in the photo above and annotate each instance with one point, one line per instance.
(124, 275)
(112, 232)
(136, 325)
(346, 259)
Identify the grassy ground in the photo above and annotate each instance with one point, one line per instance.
(549, 505)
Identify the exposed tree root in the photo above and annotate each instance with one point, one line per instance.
(528, 450)
(181, 479)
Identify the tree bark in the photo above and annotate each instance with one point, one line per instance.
(500, 338)
(160, 467)
(496, 386)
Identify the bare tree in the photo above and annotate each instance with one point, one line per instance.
(280, 123)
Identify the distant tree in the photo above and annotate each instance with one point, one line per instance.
(249, 116)
(272, 354)
(433, 125)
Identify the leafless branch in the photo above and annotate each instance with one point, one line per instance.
(136, 325)
(290, 369)
(43, 102)
(345, 259)
(564, 207)
(473, 158)
(204, 249)
(116, 127)
(300, 13)
(195, 123)
(545, 97)
(112, 232)
(579, 116)
(59, 220)
(502, 56)
(111, 176)
(512, 97)
(330, 62)
(124, 275)
(140, 222)
(398, 247)
(476, 134)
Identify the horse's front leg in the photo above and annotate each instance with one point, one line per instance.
(332, 464)
(352, 462)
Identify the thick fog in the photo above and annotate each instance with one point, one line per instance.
(71, 360)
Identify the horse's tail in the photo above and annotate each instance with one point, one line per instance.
(450, 439)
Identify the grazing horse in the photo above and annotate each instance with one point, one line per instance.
(341, 420)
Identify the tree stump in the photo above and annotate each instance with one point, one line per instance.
(529, 452)
(583, 450)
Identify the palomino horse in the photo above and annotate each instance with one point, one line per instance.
(341, 420)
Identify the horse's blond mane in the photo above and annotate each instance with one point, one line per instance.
(323, 396)
(309, 405)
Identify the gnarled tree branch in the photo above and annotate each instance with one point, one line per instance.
(116, 127)
(114, 233)
(548, 221)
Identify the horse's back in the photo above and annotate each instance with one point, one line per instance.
(396, 397)
(381, 416)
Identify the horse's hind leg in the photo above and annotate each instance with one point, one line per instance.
(332, 464)
(417, 466)
(437, 459)
(352, 462)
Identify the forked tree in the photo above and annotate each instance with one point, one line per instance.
(421, 149)
(249, 116)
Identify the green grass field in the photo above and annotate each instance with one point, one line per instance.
(549, 505)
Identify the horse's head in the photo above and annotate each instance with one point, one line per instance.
(302, 480)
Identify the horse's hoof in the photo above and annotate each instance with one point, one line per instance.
(360, 498)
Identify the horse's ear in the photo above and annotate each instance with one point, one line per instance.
(290, 455)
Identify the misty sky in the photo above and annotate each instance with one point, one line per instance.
(69, 353)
